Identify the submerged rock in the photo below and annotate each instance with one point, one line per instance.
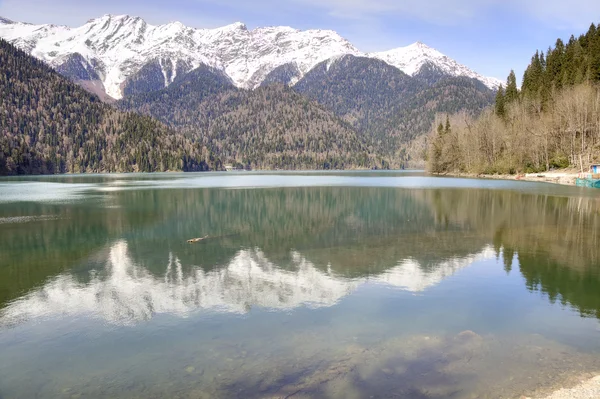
(190, 369)
(468, 335)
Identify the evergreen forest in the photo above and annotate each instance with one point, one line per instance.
(551, 122)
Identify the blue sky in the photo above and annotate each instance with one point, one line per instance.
(490, 36)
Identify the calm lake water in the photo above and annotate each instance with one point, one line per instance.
(321, 285)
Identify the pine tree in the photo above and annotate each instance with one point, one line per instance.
(500, 102)
(512, 92)
(435, 149)
(447, 128)
(532, 78)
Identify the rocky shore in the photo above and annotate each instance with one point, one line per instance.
(589, 389)
(567, 178)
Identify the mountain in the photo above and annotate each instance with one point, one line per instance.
(269, 127)
(412, 59)
(365, 92)
(448, 95)
(50, 125)
(376, 102)
(122, 53)
(120, 46)
(383, 105)
(386, 105)
(178, 104)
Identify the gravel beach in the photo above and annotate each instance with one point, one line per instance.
(567, 178)
(589, 389)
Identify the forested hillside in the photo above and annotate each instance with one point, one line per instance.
(179, 104)
(447, 95)
(553, 121)
(367, 93)
(269, 127)
(275, 127)
(388, 107)
(50, 125)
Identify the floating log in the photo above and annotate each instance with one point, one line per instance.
(193, 240)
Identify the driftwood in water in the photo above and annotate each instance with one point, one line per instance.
(193, 240)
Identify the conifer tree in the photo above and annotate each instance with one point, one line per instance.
(512, 92)
(500, 104)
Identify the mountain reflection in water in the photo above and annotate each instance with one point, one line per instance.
(126, 293)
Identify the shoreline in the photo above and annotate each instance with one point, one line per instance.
(585, 389)
(565, 178)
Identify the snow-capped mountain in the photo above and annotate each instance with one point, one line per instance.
(112, 49)
(411, 59)
(119, 46)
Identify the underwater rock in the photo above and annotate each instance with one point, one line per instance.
(190, 369)
(468, 335)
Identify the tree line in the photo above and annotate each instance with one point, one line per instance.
(552, 121)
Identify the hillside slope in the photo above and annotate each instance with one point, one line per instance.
(269, 127)
(50, 125)
(388, 107)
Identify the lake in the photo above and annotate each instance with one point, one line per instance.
(320, 285)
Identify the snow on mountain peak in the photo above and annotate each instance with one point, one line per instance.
(235, 26)
(5, 21)
(118, 46)
(412, 58)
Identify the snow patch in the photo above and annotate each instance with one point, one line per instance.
(164, 72)
(332, 61)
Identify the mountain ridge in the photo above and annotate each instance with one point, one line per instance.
(119, 46)
(411, 59)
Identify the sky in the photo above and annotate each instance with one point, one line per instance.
(489, 36)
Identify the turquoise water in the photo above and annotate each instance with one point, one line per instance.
(327, 285)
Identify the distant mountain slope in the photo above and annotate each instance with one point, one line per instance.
(447, 96)
(365, 92)
(379, 102)
(50, 125)
(276, 127)
(117, 48)
(384, 104)
(287, 74)
(270, 127)
(178, 105)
